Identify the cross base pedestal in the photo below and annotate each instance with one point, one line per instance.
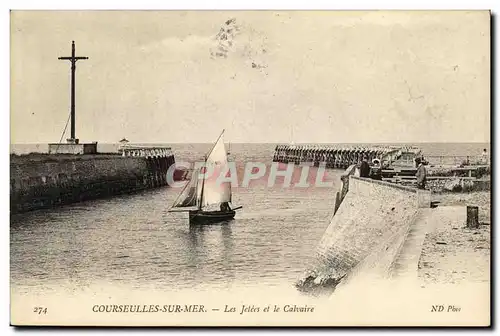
(73, 148)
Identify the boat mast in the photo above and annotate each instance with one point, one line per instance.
(202, 184)
(215, 143)
(204, 174)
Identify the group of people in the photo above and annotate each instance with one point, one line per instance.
(375, 171)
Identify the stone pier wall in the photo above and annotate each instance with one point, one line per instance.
(373, 215)
(50, 180)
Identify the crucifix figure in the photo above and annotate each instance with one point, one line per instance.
(73, 60)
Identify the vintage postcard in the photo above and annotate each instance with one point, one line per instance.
(250, 168)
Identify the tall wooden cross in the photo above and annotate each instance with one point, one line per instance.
(73, 60)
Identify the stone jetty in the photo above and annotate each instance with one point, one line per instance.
(48, 180)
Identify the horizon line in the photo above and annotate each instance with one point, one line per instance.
(271, 142)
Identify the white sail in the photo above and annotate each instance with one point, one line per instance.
(212, 191)
(189, 196)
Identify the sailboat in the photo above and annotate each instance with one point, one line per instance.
(201, 195)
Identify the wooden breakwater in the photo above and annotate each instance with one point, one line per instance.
(44, 180)
(334, 156)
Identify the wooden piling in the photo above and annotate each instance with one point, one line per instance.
(472, 217)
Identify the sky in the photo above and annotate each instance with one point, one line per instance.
(263, 76)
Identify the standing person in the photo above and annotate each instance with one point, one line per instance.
(421, 174)
(484, 157)
(376, 170)
(364, 169)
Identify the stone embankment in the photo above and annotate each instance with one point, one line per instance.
(373, 217)
(45, 180)
(391, 231)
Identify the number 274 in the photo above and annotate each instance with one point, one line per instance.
(40, 310)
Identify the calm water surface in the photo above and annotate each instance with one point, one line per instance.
(134, 241)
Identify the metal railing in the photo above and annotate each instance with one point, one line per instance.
(457, 160)
(145, 151)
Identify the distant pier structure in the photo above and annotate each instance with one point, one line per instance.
(342, 156)
(146, 151)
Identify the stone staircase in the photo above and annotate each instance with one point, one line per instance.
(405, 264)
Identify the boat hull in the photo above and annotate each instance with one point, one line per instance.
(208, 217)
